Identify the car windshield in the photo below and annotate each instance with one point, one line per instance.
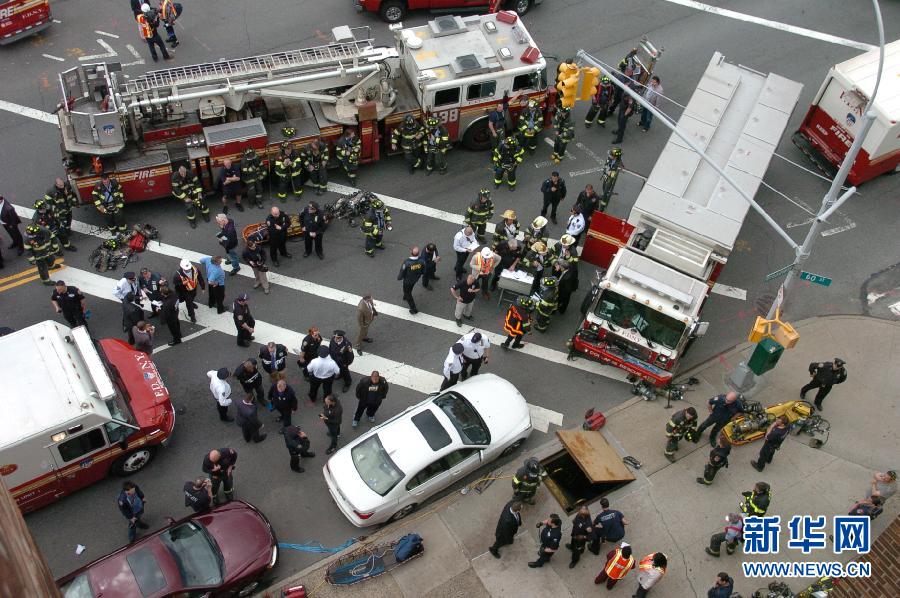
(652, 325)
(118, 404)
(375, 466)
(464, 417)
(80, 587)
(196, 554)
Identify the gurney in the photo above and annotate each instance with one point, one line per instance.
(368, 562)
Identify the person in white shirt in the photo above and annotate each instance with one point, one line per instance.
(575, 225)
(476, 350)
(128, 284)
(651, 569)
(221, 391)
(322, 371)
(453, 365)
(464, 243)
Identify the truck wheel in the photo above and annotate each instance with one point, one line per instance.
(393, 11)
(133, 462)
(477, 137)
(520, 6)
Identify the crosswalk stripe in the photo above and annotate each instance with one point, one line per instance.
(347, 298)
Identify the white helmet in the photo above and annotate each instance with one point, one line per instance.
(145, 7)
(185, 265)
(486, 253)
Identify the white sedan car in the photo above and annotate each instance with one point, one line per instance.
(386, 473)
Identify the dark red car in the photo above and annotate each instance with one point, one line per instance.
(223, 552)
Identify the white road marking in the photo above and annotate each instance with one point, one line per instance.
(593, 155)
(52, 57)
(57, 21)
(110, 53)
(895, 308)
(398, 373)
(825, 37)
(729, 291)
(585, 171)
(133, 51)
(796, 224)
(839, 229)
(29, 112)
(183, 339)
(396, 311)
(112, 35)
(873, 297)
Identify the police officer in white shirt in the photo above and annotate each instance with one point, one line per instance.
(221, 391)
(575, 225)
(453, 365)
(322, 371)
(476, 350)
(464, 243)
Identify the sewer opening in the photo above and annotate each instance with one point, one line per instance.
(568, 483)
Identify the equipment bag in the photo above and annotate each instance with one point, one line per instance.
(407, 546)
(137, 243)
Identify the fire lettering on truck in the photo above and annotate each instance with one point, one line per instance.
(842, 135)
(151, 375)
(7, 13)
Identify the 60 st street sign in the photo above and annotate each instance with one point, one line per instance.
(815, 278)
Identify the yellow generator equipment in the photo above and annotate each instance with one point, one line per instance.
(755, 421)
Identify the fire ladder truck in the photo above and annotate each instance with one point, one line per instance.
(141, 129)
(661, 263)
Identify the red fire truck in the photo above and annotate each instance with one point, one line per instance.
(661, 263)
(835, 117)
(141, 129)
(21, 18)
(76, 409)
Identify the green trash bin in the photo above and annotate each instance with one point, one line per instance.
(765, 356)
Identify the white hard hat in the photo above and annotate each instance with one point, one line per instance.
(145, 7)
(185, 265)
(486, 253)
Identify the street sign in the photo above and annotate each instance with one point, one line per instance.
(815, 278)
(779, 273)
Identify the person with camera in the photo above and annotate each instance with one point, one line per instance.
(143, 334)
(551, 535)
(148, 22)
(198, 494)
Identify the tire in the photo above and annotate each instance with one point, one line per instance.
(477, 137)
(512, 448)
(520, 6)
(404, 512)
(132, 462)
(393, 11)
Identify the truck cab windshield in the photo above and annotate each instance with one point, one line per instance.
(654, 326)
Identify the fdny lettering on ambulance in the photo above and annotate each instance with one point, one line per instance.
(151, 375)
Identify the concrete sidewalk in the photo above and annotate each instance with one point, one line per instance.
(668, 510)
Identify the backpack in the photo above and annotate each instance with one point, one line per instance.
(407, 546)
(137, 243)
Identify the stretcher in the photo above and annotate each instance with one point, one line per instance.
(366, 562)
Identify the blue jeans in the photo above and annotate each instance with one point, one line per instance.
(233, 258)
(646, 118)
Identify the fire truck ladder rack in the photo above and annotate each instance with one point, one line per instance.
(243, 69)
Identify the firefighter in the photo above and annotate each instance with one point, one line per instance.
(62, 200)
(547, 305)
(718, 458)
(348, 149)
(44, 246)
(527, 480)
(601, 103)
(110, 201)
(44, 216)
(410, 137)
(536, 231)
(565, 250)
(478, 214)
(435, 145)
(506, 158)
(148, 25)
(732, 536)
(682, 425)
(610, 175)
(776, 434)
(289, 170)
(565, 133)
(315, 163)
(252, 174)
(756, 501)
(186, 187)
(535, 263)
(518, 322)
(376, 221)
(506, 230)
(530, 123)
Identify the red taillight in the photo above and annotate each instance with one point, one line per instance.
(363, 515)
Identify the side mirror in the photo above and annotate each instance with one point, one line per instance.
(700, 329)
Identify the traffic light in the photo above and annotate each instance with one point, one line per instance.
(589, 82)
(568, 77)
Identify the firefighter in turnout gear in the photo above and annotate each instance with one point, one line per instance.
(536, 231)
(110, 201)
(565, 133)
(435, 145)
(376, 221)
(518, 322)
(44, 216)
(410, 137)
(506, 158)
(252, 175)
(718, 458)
(565, 250)
(478, 214)
(535, 262)
(43, 246)
(186, 187)
(547, 305)
(756, 501)
(506, 230)
(610, 175)
(601, 104)
(289, 171)
(348, 149)
(682, 425)
(530, 123)
(315, 164)
(62, 200)
(527, 480)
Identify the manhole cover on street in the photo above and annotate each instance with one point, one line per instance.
(764, 302)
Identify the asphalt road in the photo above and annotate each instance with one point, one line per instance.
(858, 258)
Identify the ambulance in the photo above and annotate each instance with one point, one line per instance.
(75, 409)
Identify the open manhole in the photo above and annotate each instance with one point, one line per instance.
(587, 469)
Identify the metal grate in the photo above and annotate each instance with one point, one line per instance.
(220, 134)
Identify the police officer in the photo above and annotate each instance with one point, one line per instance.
(527, 480)
(478, 214)
(530, 124)
(409, 137)
(824, 376)
(348, 149)
(376, 220)
(435, 144)
(554, 191)
(609, 526)
(476, 351)
(219, 464)
(341, 351)
(775, 436)
(517, 322)
(582, 528)
(549, 293)
(453, 365)
(309, 350)
(756, 502)
(718, 458)
(186, 187)
(251, 379)
(284, 400)
(274, 360)
(315, 164)
(43, 247)
(243, 321)
(187, 278)
(551, 535)
(322, 371)
(331, 416)
(370, 392)
(297, 443)
(721, 409)
(313, 225)
(198, 494)
(587, 202)
(683, 424)
(410, 272)
(110, 201)
(601, 103)
(69, 302)
(62, 200)
(289, 172)
(505, 230)
(277, 223)
(565, 133)
(627, 107)
(252, 175)
(506, 159)
(431, 257)
(150, 285)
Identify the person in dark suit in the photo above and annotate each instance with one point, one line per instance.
(507, 526)
(11, 223)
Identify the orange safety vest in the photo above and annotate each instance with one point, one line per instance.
(145, 26)
(189, 283)
(513, 323)
(484, 266)
(618, 567)
(167, 10)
